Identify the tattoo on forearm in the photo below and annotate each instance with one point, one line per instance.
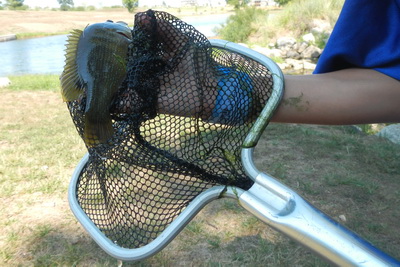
(297, 102)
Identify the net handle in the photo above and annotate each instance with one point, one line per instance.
(265, 116)
(286, 211)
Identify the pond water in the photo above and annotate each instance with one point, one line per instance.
(32, 56)
(46, 55)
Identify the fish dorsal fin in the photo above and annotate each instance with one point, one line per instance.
(71, 83)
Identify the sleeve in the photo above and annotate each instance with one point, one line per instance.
(366, 35)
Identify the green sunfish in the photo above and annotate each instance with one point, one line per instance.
(95, 63)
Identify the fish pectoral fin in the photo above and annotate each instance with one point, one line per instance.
(97, 132)
(72, 86)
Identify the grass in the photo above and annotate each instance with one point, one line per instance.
(28, 35)
(340, 171)
(35, 82)
(298, 16)
(245, 22)
(262, 27)
(344, 172)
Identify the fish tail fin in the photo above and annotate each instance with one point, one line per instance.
(97, 132)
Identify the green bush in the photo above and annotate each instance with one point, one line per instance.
(321, 39)
(298, 15)
(237, 4)
(79, 8)
(254, 26)
(282, 2)
(242, 24)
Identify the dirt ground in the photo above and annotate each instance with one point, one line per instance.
(14, 22)
(351, 176)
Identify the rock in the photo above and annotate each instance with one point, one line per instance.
(301, 47)
(299, 64)
(283, 65)
(4, 81)
(285, 42)
(391, 132)
(309, 38)
(268, 51)
(321, 26)
(297, 55)
(355, 128)
(293, 54)
(295, 64)
(274, 53)
(311, 52)
(308, 65)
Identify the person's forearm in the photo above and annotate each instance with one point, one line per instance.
(351, 96)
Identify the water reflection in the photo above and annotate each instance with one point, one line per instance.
(37, 55)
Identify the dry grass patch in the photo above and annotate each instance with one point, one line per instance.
(336, 169)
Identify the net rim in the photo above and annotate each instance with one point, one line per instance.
(136, 254)
(215, 192)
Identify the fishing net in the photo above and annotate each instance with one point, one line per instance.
(179, 118)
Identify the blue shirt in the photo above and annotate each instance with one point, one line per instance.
(366, 35)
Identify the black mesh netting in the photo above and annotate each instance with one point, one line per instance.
(179, 121)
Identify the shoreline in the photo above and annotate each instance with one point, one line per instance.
(31, 24)
(8, 37)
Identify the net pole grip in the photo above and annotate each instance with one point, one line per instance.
(286, 211)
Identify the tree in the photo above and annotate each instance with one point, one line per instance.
(66, 4)
(282, 2)
(130, 4)
(237, 3)
(14, 4)
(240, 26)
